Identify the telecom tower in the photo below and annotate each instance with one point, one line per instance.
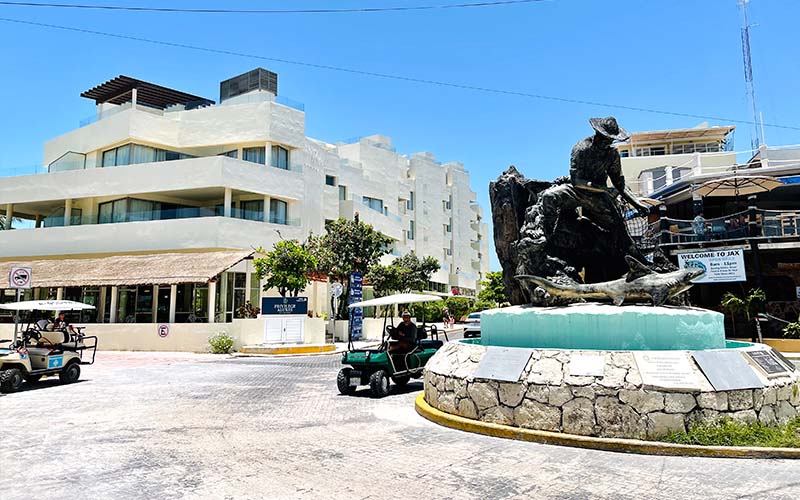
(748, 72)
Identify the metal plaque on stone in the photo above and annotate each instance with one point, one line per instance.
(503, 363)
(583, 365)
(727, 370)
(667, 370)
(767, 363)
(786, 361)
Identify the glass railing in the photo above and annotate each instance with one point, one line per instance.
(68, 161)
(359, 201)
(745, 224)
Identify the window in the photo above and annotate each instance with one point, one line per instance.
(623, 153)
(411, 230)
(251, 210)
(330, 180)
(280, 157)
(234, 153)
(255, 155)
(342, 192)
(373, 203)
(131, 154)
(277, 211)
(410, 203)
(651, 151)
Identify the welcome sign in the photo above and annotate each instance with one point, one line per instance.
(284, 305)
(720, 265)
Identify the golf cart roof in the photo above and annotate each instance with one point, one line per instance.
(46, 305)
(398, 298)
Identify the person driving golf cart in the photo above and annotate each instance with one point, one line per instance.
(404, 336)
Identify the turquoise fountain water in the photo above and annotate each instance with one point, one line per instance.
(604, 327)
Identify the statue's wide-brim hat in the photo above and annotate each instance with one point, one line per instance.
(609, 128)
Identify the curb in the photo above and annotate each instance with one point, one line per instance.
(289, 350)
(606, 444)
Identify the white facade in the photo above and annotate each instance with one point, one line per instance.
(232, 189)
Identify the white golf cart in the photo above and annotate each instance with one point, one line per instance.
(40, 350)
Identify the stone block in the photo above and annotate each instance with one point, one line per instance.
(622, 359)
(460, 388)
(679, 402)
(770, 395)
(571, 380)
(795, 396)
(784, 411)
(661, 424)
(613, 377)
(578, 417)
(546, 370)
(483, 394)
(432, 395)
(784, 392)
(559, 395)
(642, 401)
(511, 394)
(498, 415)
(584, 392)
(447, 402)
(740, 400)
(535, 415)
(618, 420)
(744, 416)
(466, 408)
(713, 400)
(633, 378)
(538, 393)
(704, 416)
(767, 415)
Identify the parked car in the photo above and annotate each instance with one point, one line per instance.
(472, 327)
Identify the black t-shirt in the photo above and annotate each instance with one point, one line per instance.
(406, 332)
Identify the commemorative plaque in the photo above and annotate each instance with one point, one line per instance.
(786, 362)
(503, 363)
(591, 365)
(667, 370)
(767, 363)
(727, 370)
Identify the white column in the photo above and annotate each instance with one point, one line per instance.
(697, 167)
(212, 298)
(227, 203)
(9, 215)
(133, 98)
(67, 211)
(154, 309)
(248, 281)
(266, 208)
(38, 220)
(101, 307)
(112, 318)
(762, 154)
(173, 302)
(60, 293)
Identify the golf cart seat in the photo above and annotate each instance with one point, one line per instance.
(430, 344)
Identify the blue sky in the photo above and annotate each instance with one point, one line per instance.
(679, 55)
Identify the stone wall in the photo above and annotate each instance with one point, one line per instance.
(617, 404)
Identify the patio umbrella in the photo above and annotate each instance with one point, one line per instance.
(737, 185)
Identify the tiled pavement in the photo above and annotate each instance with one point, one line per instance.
(162, 426)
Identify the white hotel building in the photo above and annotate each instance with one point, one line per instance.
(151, 211)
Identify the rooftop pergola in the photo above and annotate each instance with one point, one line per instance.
(124, 89)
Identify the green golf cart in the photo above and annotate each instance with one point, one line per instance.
(375, 367)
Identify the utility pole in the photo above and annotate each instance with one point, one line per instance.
(748, 71)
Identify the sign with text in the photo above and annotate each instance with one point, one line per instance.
(163, 331)
(786, 361)
(284, 305)
(356, 313)
(667, 369)
(583, 365)
(720, 265)
(503, 363)
(767, 363)
(20, 277)
(727, 370)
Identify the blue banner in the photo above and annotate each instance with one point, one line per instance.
(356, 313)
(284, 305)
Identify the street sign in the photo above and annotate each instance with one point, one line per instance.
(20, 277)
(336, 290)
(356, 313)
(163, 331)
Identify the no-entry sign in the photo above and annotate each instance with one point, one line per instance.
(19, 277)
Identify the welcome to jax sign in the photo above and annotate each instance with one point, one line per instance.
(720, 265)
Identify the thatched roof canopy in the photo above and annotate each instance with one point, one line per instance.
(119, 270)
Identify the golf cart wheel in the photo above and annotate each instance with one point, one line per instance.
(11, 380)
(343, 382)
(33, 378)
(71, 373)
(379, 384)
(401, 381)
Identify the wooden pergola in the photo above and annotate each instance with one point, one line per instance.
(124, 89)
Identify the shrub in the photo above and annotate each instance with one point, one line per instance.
(482, 305)
(792, 330)
(459, 307)
(221, 343)
(247, 310)
(433, 312)
(729, 432)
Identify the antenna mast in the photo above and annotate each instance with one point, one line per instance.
(748, 72)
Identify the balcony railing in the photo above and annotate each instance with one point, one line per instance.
(755, 223)
(169, 214)
(359, 200)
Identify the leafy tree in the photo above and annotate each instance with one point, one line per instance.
(750, 305)
(404, 274)
(458, 306)
(347, 247)
(482, 305)
(286, 267)
(492, 289)
(432, 311)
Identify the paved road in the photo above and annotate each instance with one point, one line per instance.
(164, 426)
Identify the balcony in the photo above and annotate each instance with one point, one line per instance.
(150, 235)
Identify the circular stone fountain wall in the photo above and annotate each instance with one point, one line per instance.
(616, 404)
